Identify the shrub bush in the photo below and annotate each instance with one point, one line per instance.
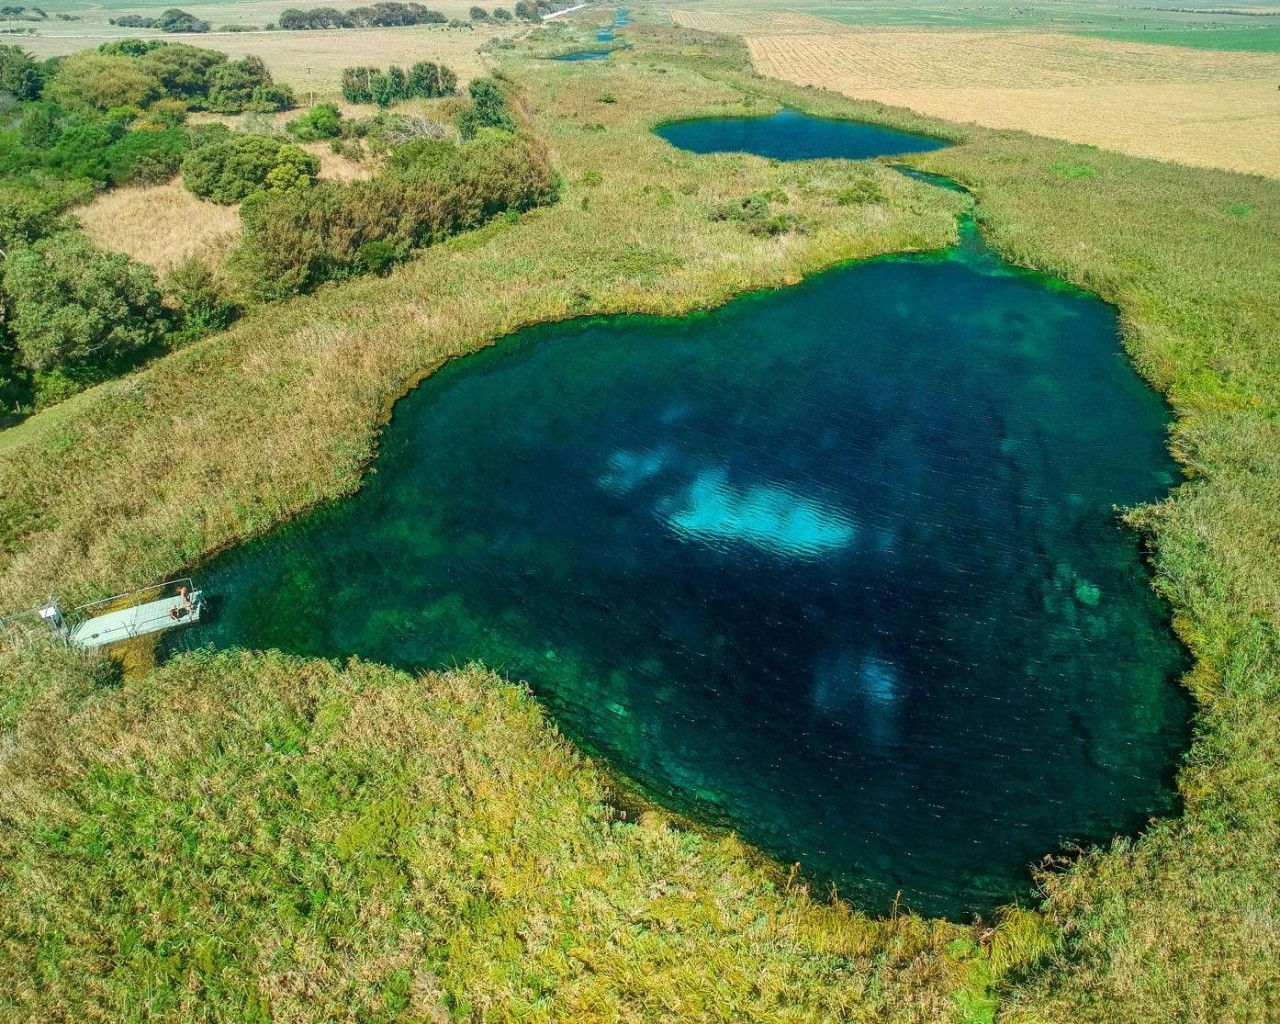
(184, 71)
(243, 85)
(755, 213)
(864, 190)
(202, 301)
(227, 170)
(77, 309)
(428, 190)
(323, 121)
(28, 213)
(428, 80)
(88, 82)
(488, 109)
(357, 84)
(425, 80)
(40, 128)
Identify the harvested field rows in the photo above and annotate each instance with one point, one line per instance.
(1209, 109)
(765, 23)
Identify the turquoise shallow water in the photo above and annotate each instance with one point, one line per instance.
(837, 566)
(578, 55)
(791, 135)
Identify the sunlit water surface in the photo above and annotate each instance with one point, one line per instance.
(837, 566)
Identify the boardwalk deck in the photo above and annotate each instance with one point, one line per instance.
(137, 620)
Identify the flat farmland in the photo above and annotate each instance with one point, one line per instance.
(313, 60)
(1200, 107)
(756, 23)
(1193, 23)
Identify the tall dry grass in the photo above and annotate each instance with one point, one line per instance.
(161, 224)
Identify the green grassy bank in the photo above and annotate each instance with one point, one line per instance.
(360, 866)
(256, 838)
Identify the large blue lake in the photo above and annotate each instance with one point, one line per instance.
(836, 566)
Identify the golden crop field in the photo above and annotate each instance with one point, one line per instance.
(1201, 107)
(160, 224)
(314, 60)
(763, 23)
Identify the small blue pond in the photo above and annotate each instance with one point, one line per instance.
(791, 135)
(584, 55)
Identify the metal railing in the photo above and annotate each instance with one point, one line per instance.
(129, 599)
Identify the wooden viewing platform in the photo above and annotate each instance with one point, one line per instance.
(137, 620)
(123, 617)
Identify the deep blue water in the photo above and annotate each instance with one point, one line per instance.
(791, 135)
(584, 55)
(837, 566)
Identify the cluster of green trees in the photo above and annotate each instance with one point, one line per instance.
(525, 10)
(172, 20)
(9, 12)
(297, 238)
(72, 314)
(117, 115)
(20, 76)
(528, 10)
(139, 73)
(380, 15)
(391, 14)
(425, 80)
(428, 190)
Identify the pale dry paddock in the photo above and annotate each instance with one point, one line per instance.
(160, 224)
(337, 168)
(762, 23)
(312, 61)
(1199, 107)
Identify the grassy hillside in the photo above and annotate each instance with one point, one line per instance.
(340, 865)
